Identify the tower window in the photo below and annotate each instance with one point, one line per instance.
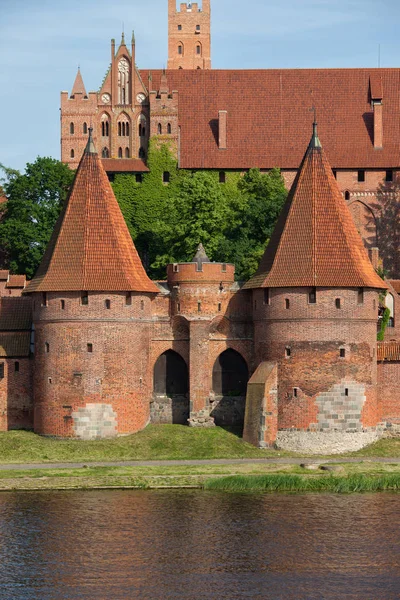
(2, 370)
(142, 153)
(105, 153)
(199, 307)
(90, 347)
(266, 296)
(72, 153)
(222, 177)
(62, 303)
(346, 391)
(219, 306)
(119, 129)
(159, 129)
(119, 152)
(312, 296)
(71, 128)
(389, 175)
(361, 176)
(179, 27)
(47, 347)
(141, 305)
(288, 352)
(16, 366)
(178, 307)
(108, 304)
(338, 303)
(347, 195)
(197, 27)
(198, 49)
(85, 129)
(180, 49)
(223, 267)
(138, 178)
(128, 299)
(44, 299)
(295, 390)
(127, 153)
(287, 303)
(84, 299)
(342, 353)
(166, 176)
(169, 128)
(360, 296)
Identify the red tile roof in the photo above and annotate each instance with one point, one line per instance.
(269, 116)
(91, 248)
(395, 283)
(14, 344)
(15, 314)
(388, 351)
(16, 281)
(315, 241)
(124, 165)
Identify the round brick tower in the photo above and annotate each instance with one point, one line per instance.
(315, 303)
(92, 316)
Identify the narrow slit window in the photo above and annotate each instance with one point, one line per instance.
(119, 129)
(47, 347)
(72, 153)
(178, 306)
(159, 129)
(338, 303)
(1, 370)
(347, 195)
(44, 299)
(361, 176)
(219, 306)
(166, 177)
(72, 128)
(179, 27)
(288, 352)
(90, 348)
(295, 392)
(360, 296)
(224, 267)
(127, 153)
(266, 296)
(389, 175)
(222, 177)
(342, 353)
(180, 49)
(119, 152)
(128, 299)
(198, 50)
(85, 129)
(16, 366)
(312, 296)
(199, 307)
(141, 305)
(84, 299)
(138, 178)
(62, 302)
(287, 303)
(346, 391)
(169, 128)
(108, 304)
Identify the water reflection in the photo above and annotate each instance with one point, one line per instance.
(198, 545)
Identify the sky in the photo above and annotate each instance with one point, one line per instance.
(42, 42)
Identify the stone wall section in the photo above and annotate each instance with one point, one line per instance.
(94, 421)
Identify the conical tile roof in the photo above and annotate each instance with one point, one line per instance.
(315, 242)
(91, 248)
(79, 86)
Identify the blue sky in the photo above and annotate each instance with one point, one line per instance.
(43, 41)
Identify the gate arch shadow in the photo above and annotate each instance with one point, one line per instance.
(170, 403)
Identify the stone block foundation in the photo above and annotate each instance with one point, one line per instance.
(95, 421)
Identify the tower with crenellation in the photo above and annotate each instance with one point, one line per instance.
(189, 35)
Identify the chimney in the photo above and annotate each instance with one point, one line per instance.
(222, 119)
(376, 91)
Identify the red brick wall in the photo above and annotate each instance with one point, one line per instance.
(389, 391)
(16, 409)
(188, 36)
(115, 373)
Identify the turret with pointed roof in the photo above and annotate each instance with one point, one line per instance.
(315, 242)
(79, 86)
(91, 248)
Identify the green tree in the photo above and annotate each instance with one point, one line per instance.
(34, 201)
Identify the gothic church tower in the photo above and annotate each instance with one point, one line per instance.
(189, 36)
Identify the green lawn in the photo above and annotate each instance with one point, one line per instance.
(156, 442)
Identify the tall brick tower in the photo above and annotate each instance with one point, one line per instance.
(315, 303)
(189, 36)
(92, 317)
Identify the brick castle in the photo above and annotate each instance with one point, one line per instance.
(91, 347)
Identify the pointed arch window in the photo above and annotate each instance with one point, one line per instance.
(119, 129)
(169, 128)
(159, 129)
(198, 50)
(85, 128)
(127, 153)
(180, 49)
(105, 126)
(72, 153)
(105, 153)
(119, 152)
(71, 128)
(127, 128)
(123, 81)
(142, 153)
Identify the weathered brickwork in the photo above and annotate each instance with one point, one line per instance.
(16, 405)
(189, 35)
(389, 392)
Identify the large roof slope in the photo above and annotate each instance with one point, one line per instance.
(315, 242)
(269, 114)
(91, 248)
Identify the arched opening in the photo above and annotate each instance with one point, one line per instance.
(229, 384)
(169, 128)
(127, 153)
(72, 153)
(119, 152)
(142, 153)
(105, 153)
(389, 302)
(159, 129)
(198, 49)
(171, 390)
(85, 128)
(71, 128)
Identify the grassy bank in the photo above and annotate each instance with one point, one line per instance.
(297, 483)
(156, 442)
(231, 477)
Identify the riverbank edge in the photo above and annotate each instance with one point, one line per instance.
(319, 481)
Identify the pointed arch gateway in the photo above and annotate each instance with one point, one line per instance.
(229, 383)
(170, 402)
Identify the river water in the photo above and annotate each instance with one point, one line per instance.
(194, 545)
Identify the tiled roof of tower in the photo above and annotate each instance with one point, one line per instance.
(91, 248)
(315, 242)
(79, 86)
(268, 116)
